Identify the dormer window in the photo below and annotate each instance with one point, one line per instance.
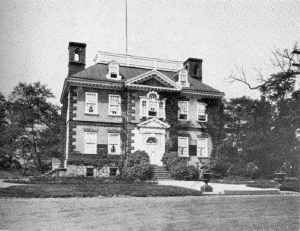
(113, 71)
(183, 78)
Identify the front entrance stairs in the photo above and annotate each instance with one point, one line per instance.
(160, 173)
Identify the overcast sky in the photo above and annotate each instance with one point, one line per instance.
(35, 35)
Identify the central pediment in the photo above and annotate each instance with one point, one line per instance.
(154, 123)
(153, 80)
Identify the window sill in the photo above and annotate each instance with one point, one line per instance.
(93, 114)
(203, 157)
(183, 120)
(201, 121)
(114, 154)
(90, 153)
(114, 115)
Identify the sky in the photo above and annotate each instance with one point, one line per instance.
(34, 36)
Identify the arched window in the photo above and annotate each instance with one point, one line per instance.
(76, 57)
(76, 54)
(151, 140)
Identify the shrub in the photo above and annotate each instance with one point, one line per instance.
(137, 167)
(182, 171)
(219, 170)
(178, 167)
(138, 157)
(172, 159)
(250, 170)
(290, 186)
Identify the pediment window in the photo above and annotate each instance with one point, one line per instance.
(113, 71)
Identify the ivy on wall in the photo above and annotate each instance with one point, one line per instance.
(77, 158)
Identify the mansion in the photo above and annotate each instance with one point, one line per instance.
(125, 103)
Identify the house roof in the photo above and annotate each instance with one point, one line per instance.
(100, 70)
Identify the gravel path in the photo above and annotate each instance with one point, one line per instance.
(5, 185)
(217, 188)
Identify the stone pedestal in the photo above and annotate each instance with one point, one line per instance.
(206, 178)
(206, 188)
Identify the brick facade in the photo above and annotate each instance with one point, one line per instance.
(94, 80)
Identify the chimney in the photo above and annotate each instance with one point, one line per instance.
(194, 67)
(76, 57)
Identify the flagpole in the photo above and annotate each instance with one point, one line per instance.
(126, 27)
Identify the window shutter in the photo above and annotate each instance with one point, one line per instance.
(91, 103)
(90, 143)
(202, 147)
(161, 109)
(143, 108)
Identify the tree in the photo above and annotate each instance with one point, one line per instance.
(279, 137)
(34, 119)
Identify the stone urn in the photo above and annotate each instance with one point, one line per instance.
(206, 176)
(279, 178)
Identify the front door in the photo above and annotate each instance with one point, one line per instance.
(150, 137)
(154, 148)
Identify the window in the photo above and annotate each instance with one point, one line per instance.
(114, 143)
(183, 146)
(113, 71)
(114, 105)
(151, 140)
(151, 106)
(76, 57)
(183, 78)
(91, 103)
(76, 54)
(202, 147)
(90, 143)
(183, 110)
(201, 112)
(113, 171)
(89, 171)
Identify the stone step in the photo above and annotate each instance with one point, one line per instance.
(160, 172)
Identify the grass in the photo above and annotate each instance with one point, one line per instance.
(172, 213)
(93, 188)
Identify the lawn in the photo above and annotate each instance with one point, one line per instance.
(93, 188)
(152, 213)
